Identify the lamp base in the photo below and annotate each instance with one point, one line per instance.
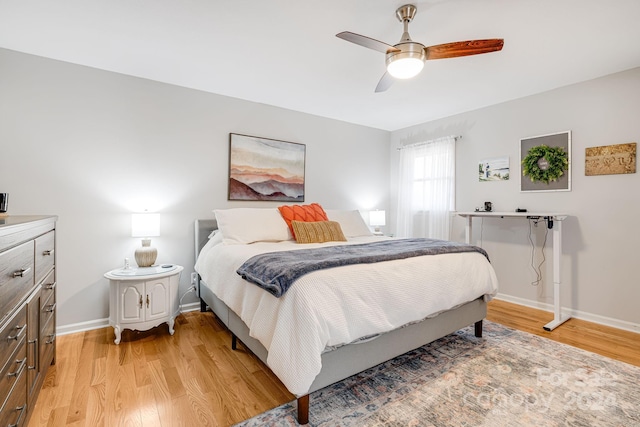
(146, 255)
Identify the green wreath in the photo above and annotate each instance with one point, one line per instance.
(545, 164)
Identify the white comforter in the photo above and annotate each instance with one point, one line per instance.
(339, 305)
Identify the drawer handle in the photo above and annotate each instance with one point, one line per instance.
(52, 339)
(35, 353)
(52, 308)
(21, 272)
(18, 334)
(140, 302)
(48, 252)
(50, 286)
(20, 368)
(147, 300)
(22, 411)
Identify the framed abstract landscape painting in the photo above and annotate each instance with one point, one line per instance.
(265, 169)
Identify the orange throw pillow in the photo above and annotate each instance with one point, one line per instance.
(303, 213)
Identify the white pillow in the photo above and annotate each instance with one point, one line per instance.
(215, 238)
(249, 225)
(351, 222)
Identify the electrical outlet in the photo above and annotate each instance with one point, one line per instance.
(194, 278)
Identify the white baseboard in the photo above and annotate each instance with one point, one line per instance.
(194, 306)
(103, 323)
(602, 320)
(82, 326)
(589, 317)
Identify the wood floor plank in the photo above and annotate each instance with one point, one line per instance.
(149, 415)
(82, 382)
(193, 378)
(95, 414)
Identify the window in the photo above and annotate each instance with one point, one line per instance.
(427, 189)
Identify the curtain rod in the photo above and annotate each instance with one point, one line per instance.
(431, 141)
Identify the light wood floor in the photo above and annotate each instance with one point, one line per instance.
(193, 378)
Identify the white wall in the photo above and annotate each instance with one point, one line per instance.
(600, 255)
(92, 147)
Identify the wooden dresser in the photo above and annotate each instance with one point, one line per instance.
(27, 312)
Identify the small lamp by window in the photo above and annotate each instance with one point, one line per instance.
(376, 220)
(145, 225)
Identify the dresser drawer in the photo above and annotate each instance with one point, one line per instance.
(12, 334)
(14, 412)
(48, 286)
(48, 309)
(45, 255)
(16, 276)
(16, 364)
(47, 343)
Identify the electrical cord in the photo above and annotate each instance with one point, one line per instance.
(537, 270)
(192, 288)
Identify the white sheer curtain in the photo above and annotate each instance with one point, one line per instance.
(426, 196)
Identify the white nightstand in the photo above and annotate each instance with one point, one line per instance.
(143, 298)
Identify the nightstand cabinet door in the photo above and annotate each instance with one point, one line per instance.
(131, 302)
(157, 299)
(144, 301)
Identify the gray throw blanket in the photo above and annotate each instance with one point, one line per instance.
(276, 271)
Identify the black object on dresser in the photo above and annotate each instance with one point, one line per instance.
(27, 312)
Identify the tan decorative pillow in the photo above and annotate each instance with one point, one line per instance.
(317, 232)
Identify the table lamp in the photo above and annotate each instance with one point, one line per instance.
(145, 225)
(376, 220)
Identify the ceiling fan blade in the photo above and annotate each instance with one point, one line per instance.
(366, 42)
(465, 48)
(385, 82)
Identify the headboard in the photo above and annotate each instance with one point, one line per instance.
(204, 227)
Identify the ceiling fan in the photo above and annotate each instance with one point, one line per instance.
(406, 58)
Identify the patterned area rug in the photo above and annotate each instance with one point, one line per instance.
(507, 378)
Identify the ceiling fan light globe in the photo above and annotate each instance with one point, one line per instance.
(405, 68)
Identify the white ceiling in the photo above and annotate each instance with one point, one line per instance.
(285, 53)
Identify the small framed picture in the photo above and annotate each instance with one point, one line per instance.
(494, 169)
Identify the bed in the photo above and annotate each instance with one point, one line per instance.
(309, 349)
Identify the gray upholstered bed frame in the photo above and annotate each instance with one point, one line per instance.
(349, 359)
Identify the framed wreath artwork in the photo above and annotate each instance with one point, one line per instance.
(545, 162)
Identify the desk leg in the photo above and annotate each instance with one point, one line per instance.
(558, 318)
(468, 230)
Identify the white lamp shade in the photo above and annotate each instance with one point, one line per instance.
(145, 225)
(376, 218)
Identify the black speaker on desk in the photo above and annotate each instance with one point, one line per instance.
(487, 206)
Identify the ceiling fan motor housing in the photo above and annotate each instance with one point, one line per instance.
(406, 50)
